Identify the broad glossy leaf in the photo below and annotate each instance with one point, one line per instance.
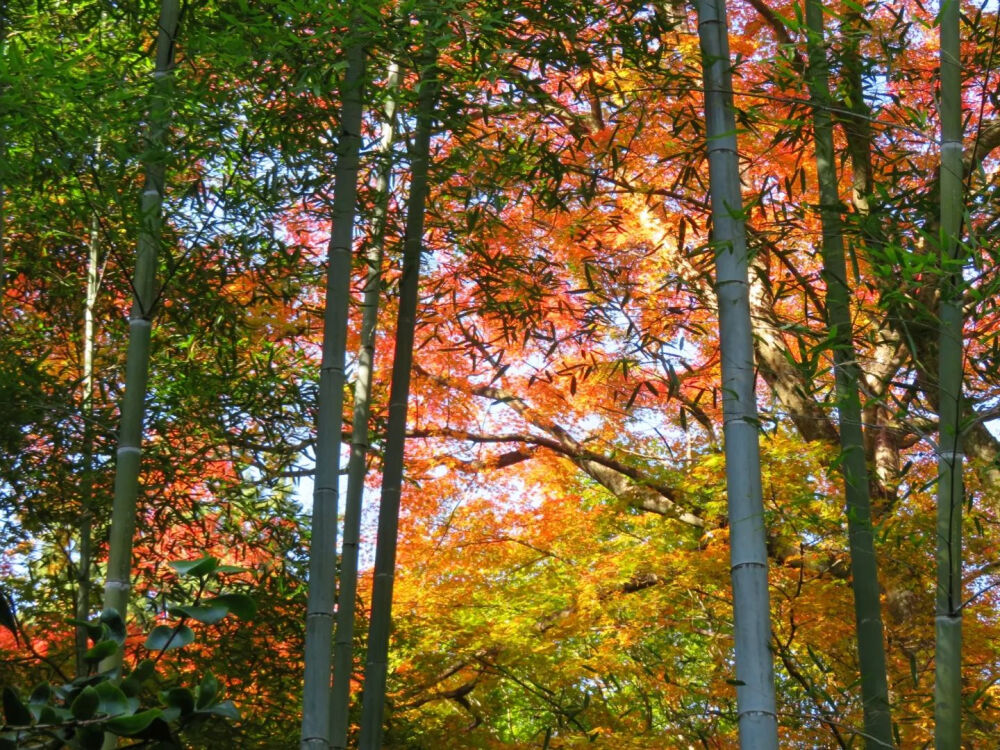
(207, 691)
(100, 651)
(240, 605)
(159, 733)
(127, 726)
(113, 700)
(114, 623)
(131, 687)
(225, 709)
(94, 629)
(207, 613)
(89, 738)
(86, 703)
(181, 699)
(7, 619)
(164, 637)
(196, 568)
(52, 715)
(144, 670)
(41, 694)
(14, 711)
(230, 569)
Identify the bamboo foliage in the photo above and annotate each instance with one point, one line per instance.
(323, 553)
(948, 609)
(755, 693)
(376, 668)
(129, 456)
(864, 568)
(3, 187)
(356, 466)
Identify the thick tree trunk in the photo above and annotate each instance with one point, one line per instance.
(323, 553)
(392, 473)
(948, 643)
(123, 513)
(853, 466)
(343, 656)
(755, 693)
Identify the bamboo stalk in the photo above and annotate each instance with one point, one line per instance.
(853, 466)
(343, 660)
(323, 552)
(755, 693)
(129, 455)
(392, 474)
(951, 491)
(83, 568)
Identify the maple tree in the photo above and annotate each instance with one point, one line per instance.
(562, 570)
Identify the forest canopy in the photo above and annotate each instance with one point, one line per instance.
(642, 361)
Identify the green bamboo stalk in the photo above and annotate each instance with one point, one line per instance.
(323, 554)
(343, 656)
(948, 609)
(373, 700)
(123, 512)
(853, 466)
(84, 564)
(755, 692)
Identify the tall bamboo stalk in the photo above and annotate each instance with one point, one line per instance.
(392, 473)
(83, 568)
(343, 656)
(755, 693)
(323, 553)
(124, 508)
(853, 466)
(948, 609)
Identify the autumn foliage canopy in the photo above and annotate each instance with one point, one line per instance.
(562, 577)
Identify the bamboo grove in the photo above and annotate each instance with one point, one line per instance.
(499, 374)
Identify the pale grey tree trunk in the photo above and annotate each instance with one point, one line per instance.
(124, 508)
(343, 653)
(373, 700)
(948, 609)
(323, 549)
(755, 693)
(853, 465)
